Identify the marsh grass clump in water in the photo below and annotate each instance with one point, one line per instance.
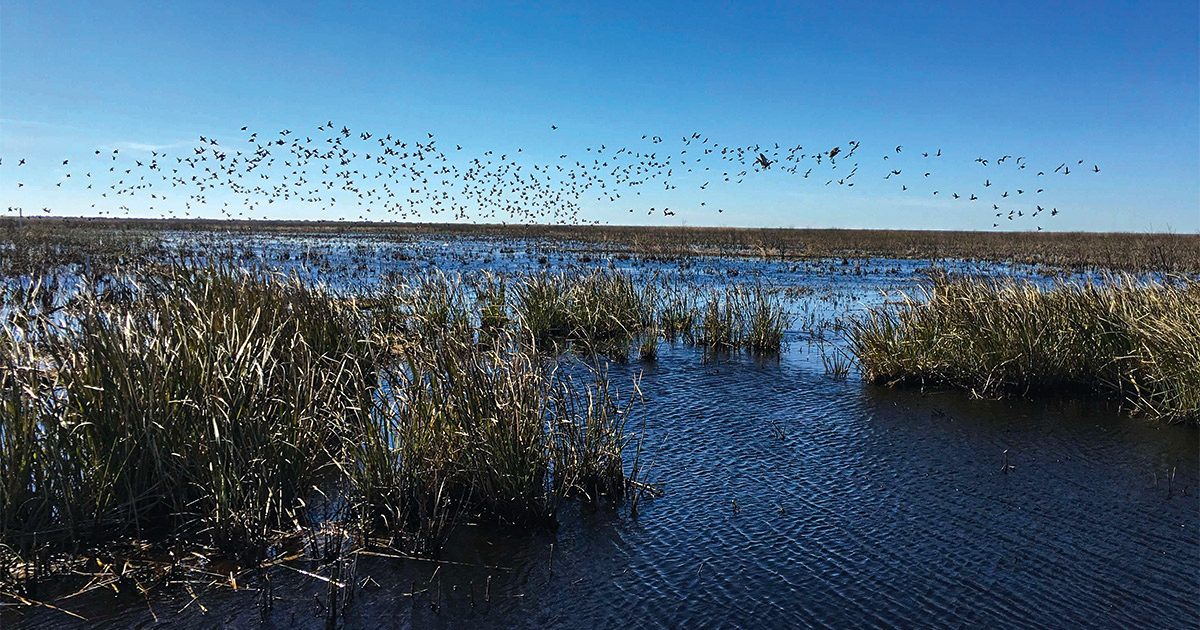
(648, 344)
(766, 320)
(543, 307)
(230, 412)
(588, 436)
(719, 326)
(678, 316)
(743, 317)
(205, 410)
(1138, 341)
(458, 431)
(486, 432)
(427, 311)
(600, 311)
(491, 300)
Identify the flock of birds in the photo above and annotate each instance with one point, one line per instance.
(358, 174)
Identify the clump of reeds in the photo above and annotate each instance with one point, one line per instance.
(1136, 340)
(719, 326)
(677, 319)
(766, 320)
(226, 410)
(743, 317)
(648, 344)
(207, 410)
(600, 311)
(429, 310)
(588, 438)
(491, 299)
(456, 431)
(606, 312)
(489, 432)
(543, 307)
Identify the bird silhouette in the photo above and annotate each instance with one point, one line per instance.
(384, 175)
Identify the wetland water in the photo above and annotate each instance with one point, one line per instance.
(792, 499)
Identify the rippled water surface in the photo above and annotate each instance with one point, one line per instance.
(794, 499)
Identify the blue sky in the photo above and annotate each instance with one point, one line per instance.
(1112, 83)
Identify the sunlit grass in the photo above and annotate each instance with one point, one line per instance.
(1138, 341)
(214, 408)
(742, 317)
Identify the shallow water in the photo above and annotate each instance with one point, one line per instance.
(856, 506)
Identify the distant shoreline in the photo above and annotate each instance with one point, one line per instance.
(1115, 251)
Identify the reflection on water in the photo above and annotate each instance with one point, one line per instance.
(794, 499)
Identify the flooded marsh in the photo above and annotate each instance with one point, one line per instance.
(320, 430)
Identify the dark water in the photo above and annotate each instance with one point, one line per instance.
(856, 506)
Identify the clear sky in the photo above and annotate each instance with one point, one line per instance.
(1114, 84)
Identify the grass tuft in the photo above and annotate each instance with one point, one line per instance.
(1134, 340)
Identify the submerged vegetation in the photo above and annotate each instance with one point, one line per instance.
(1136, 340)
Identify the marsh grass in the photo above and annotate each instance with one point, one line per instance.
(207, 410)
(599, 311)
(430, 310)
(1138, 341)
(489, 433)
(458, 432)
(648, 344)
(543, 308)
(719, 327)
(491, 300)
(46, 243)
(836, 362)
(743, 316)
(678, 315)
(227, 411)
(588, 436)
(593, 313)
